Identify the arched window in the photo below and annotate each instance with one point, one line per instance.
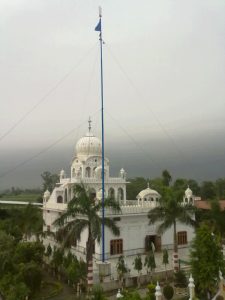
(120, 194)
(88, 172)
(111, 193)
(59, 199)
(73, 172)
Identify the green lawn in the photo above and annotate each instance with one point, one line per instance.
(22, 197)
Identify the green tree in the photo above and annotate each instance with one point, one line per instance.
(167, 178)
(49, 181)
(150, 262)
(7, 248)
(169, 212)
(85, 213)
(121, 269)
(30, 221)
(138, 267)
(194, 186)
(180, 184)
(220, 188)
(74, 269)
(208, 191)
(165, 260)
(57, 260)
(28, 251)
(135, 186)
(206, 261)
(213, 217)
(32, 276)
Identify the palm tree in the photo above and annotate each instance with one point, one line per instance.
(83, 212)
(168, 213)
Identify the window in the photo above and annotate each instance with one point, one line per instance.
(59, 199)
(182, 238)
(120, 194)
(111, 193)
(116, 247)
(88, 172)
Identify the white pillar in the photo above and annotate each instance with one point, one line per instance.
(158, 293)
(191, 287)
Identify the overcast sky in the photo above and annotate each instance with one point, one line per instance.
(164, 75)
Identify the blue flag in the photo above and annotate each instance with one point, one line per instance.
(99, 26)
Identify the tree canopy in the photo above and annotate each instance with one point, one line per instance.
(206, 261)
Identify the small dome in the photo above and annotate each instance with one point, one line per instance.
(88, 145)
(122, 171)
(47, 194)
(188, 192)
(148, 192)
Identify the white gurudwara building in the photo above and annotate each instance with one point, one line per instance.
(135, 232)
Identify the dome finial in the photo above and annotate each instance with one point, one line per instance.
(148, 185)
(89, 122)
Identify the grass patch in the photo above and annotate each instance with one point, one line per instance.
(22, 197)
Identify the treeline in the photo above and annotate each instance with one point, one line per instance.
(20, 260)
(207, 190)
(15, 191)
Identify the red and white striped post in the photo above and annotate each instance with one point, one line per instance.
(175, 262)
(90, 274)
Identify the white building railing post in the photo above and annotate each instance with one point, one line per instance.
(119, 295)
(191, 287)
(158, 293)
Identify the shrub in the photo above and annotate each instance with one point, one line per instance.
(168, 292)
(219, 297)
(151, 292)
(151, 288)
(97, 293)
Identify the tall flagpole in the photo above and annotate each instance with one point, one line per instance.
(103, 149)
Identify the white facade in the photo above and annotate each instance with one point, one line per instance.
(135, 232)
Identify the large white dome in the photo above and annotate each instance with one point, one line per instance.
(88, 145)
